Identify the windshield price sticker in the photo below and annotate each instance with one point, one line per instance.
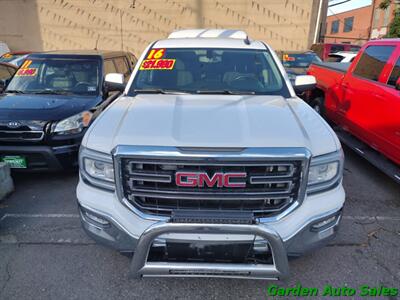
(26, 64)
(157, 64)
(286, 57)
(155, 61)
(156, 54)
(26, 72)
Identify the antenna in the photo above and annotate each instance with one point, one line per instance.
(97, 41)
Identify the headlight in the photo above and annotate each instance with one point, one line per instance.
(99, 169)
(74, 124)
(325, 172)
(96, 168)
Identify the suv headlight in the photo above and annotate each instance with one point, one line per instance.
(96, 168)
(74, 124)
(325, 172)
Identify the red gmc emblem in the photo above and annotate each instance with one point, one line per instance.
(193, 179)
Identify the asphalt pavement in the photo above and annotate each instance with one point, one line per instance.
(44, 253)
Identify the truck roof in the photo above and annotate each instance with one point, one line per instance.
(209, 38)
(103, 53)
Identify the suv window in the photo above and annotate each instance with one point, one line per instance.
(109, 66)
(122, 67)
(394, 76)
(132, 60)
(336, 48)
(372, 61)
(4, 72)
(57, 76)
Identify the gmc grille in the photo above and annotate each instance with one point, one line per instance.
(149, 185)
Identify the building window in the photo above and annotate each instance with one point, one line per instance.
(348, 24)
(376, 17)
(386, 17)
(335, 26)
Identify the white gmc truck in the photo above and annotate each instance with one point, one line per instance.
(208, 164)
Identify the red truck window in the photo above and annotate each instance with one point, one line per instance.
(372, 61)
(395, 74)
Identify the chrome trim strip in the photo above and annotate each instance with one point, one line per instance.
(249, 155)
(21, 139)
(91, 154)
(337, 156)
(206, 195)
(135, 176)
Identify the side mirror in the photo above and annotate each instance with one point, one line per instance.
(304, 83)
(3, 85)
(114, 82)
(398, 84)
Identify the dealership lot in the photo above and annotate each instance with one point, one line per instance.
(45, 253)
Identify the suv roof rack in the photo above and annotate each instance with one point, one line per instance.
(210, 33)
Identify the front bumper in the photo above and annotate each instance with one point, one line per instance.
(112, 224)
(41, 157)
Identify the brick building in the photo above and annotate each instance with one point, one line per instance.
(133, 24)
(353, 26)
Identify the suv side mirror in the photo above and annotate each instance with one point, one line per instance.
(303, 83)
(114, 82)
(398, 84)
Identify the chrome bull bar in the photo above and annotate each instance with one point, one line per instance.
(140, 267)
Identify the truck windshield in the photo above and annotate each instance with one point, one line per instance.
(57, 76)
(219, 71)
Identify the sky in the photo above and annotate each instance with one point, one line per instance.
(352, 4)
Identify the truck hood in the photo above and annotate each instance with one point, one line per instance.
(223, 121)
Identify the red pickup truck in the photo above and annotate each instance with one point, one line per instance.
(362, 99)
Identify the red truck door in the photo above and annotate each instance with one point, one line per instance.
(365, 106)
(391, 108)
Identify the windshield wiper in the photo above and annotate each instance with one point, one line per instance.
(225, 92)
(52, 92)
(158, 91)
(14, 91)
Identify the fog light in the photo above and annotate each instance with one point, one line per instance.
(96, 219)
(324, 223)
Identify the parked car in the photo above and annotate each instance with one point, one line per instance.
(51, 101)
(15, 58)
(3, 48)
(342, 56)
(297, 62)
(363, 100)
(6, 72)
(209, 165)
(324, 49)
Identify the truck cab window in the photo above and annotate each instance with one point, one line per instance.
(372, 62)
(395, 74)
(109, 66)
(122, 67)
